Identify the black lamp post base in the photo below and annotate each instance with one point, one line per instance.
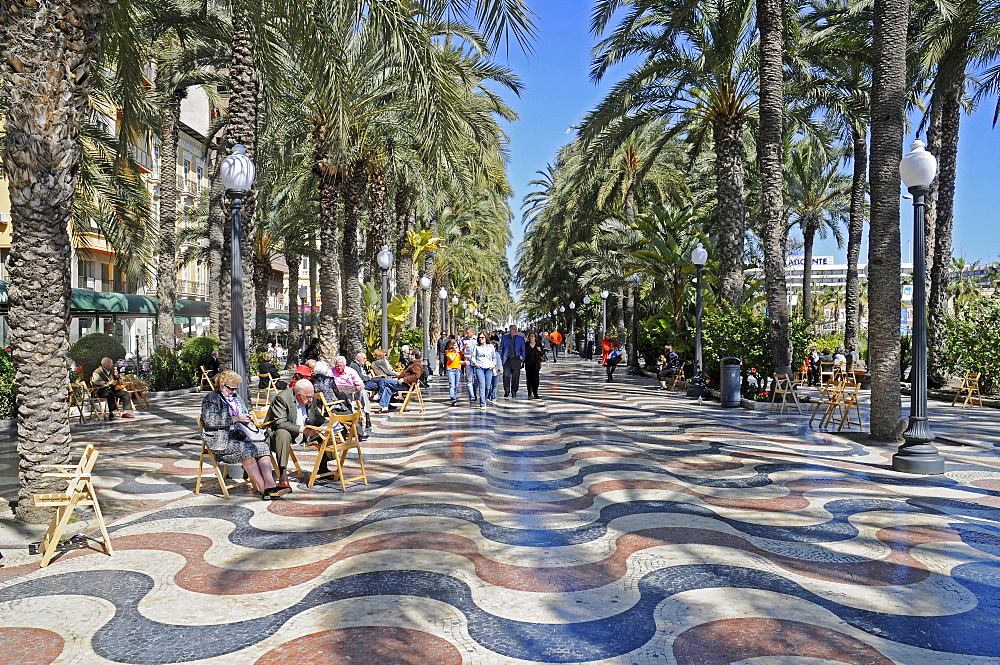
(634, 370)
(918, 454)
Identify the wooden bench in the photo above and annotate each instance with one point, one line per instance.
(970, 388)
(79, 492)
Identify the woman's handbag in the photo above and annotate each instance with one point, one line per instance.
(249, 432)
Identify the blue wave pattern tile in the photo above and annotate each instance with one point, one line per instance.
(600, 524)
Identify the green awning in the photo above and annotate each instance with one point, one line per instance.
(95, 303)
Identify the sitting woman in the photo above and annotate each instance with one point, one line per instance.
(381, 366)
(221, 411)
(668, 367)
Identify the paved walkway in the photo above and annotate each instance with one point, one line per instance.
(602, 523)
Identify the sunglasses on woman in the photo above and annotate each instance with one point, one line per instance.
(481, 339)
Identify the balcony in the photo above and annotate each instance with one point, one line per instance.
(189, 287)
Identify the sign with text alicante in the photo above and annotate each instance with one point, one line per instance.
(817, 261)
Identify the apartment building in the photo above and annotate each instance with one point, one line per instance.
(93, 262)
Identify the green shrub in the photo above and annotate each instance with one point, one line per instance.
(973, 343)
(745, 335)
(167, 372)
(655, 333)
(89, 349)
(196, 350)
(412, 337)
(8, 389)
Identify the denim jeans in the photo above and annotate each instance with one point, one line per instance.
(390, 388)
(484, 379)
(454, 376)
(470, 375)
(493, 387)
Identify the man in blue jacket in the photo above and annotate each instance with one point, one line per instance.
(512, 354)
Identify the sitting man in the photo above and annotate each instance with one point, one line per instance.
(295, 416)
(212, 364)
(267, 371)
(108, 383)
(404, 381)
(670, 366)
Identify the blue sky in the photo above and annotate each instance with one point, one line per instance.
(559, 92)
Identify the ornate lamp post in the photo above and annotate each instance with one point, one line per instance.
(572, 326)
(633, 347)
(697, 386)
(918, 454)
(586, 326)
(238, 171)
(454, 314)
(443, 295)
(384, 259)
(425, 284)
(604, 312)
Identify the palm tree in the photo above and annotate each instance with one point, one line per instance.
(698, 72)
(888, 113)
(770, 22)
(45, 108)
(818, 201)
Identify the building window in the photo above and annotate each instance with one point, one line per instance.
(156, 160)
(186, 175)
(198, 178)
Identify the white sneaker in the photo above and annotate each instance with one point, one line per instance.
(482, 407)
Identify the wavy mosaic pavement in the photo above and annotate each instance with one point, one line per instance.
(601, 524)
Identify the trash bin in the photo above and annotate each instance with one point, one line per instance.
(729, 387)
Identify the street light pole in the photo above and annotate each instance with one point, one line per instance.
(443, 295)
(572, 326)
(918, 454)
(697, 386)
(384, 259)
(238, 171)
(454, 315)
(633, 348)
(425, 284)
(604, 313)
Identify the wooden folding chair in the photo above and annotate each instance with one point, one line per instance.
(969, 387)
(267, 393)
(79, 492)
(78, 395)
(408, 395)
(826, 374)
(848, 402)
(98, 405)
(677, 378)
(784, 386)
(260, 420)
(339, 443)
(829, 399)
(208, 454)
(137, 393)
(205, 378)
(802, 376)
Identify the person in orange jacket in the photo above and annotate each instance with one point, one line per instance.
(557, 339)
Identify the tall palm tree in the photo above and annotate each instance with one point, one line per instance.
(45, 108)
(818, 201)
(698, 71)
(888, 113)
(770, 24)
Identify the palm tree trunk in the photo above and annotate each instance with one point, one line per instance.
(355, 187)
(937, 303)
(379, 227)
(166, 272)
(261, 279)
(216, 224)
(294, 262)
(855, 228)
(406, 217)
(769, 149)
(930, 201)
(888, 118)
(620, 313)
(243, 129)
(808, 241)
(329, 265)
(45, 105)
(730, 156)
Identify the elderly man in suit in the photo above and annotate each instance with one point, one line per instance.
(512, 352)
(295, 416)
